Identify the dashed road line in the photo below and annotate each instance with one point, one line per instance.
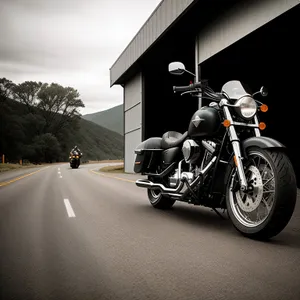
(69, 208)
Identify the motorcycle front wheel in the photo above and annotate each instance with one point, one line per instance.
(265, 210)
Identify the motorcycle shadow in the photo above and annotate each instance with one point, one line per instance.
(195, 216)
(206, 218)
(201, 216)
(288, 238)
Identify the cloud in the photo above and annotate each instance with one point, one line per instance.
(69, 42)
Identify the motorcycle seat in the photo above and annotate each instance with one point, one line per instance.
(172, 139)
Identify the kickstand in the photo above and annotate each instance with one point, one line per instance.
(218, 213)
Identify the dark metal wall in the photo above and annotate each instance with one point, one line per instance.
(162, 109)
(270, 57)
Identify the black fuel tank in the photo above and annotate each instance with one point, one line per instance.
(205, 122)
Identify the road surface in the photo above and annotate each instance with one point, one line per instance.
(77, 234)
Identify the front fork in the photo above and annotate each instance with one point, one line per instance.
(237, 149)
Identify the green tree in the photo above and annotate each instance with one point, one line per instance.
(5, 89)
(26, 93)
(46, 147)
(59, 105)
(33, 124)
(11, 131)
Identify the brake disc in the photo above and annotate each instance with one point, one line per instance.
(249, 201)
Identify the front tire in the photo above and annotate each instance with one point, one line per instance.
(271, 175)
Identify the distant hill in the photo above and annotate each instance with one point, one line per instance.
(111, 118)
(98, 142)
(95, 141)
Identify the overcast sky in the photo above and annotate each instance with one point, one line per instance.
(73, 43)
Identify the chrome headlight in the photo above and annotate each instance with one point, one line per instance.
(246, 107)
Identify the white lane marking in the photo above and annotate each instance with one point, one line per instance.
(58, 172)
(69, 208)
(58, 169)
(60, 176)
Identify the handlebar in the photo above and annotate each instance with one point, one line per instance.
(187, 88)
(207, 92)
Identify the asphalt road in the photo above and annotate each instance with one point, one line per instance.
(75, 234)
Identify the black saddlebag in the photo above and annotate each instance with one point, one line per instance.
(148, 155)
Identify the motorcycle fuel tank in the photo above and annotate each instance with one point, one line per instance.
(205, 122)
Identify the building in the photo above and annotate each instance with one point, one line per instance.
(254, 41)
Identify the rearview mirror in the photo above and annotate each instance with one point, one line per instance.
(176, 68)
(264, 91)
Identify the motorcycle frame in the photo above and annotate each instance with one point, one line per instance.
(215, 159)
(238, 154)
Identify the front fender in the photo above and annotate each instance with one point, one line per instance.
(258, 141)
(262, 142)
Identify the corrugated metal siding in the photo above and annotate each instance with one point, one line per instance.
(132, 118)
(238, 22)
(165, 14)
(132, 139)
(133, 91)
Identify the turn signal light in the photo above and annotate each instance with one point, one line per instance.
(235, 160)
(226, 123)
(264, 108)
(262, 126)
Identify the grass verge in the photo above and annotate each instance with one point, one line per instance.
(105, 161)
(8, 167)
(113, 169)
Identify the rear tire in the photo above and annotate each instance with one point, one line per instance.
(159, 201)
(279, 186)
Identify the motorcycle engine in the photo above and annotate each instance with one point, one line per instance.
(191, 151)
(175, 178)
(207, 154)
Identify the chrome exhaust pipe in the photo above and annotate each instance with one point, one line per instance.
(145, 183)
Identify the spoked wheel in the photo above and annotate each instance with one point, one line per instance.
(266, 208)
(159, 201)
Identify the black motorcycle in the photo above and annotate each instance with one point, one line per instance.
(222, 162)
(75, 160)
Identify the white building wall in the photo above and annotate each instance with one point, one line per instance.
(237, 22)
(133, 119)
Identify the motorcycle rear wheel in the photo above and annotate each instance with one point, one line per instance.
(159, 201)
(271, 175)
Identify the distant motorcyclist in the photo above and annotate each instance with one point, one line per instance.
(76, 149)
(75, 156)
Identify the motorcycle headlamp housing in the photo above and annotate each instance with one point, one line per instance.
(246, 107)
